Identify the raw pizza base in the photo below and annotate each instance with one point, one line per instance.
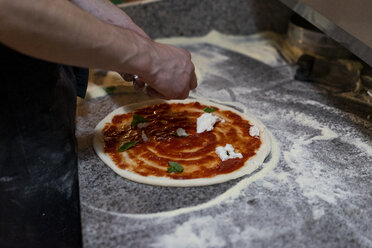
(250, 165)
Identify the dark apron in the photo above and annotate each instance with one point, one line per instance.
(39, 197)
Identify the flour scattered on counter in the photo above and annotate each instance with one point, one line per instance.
(318, 184)
(268, 185)
(365, 146)
(311, 166)
(205, 231)
(326, 132)
(6, 179)
(206, 63)
(197, 232)
(263, 46)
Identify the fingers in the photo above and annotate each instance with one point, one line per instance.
(153, 93)
(138, 84)
(127, 77)
(169, 75)
(194, 81)
(186, 52)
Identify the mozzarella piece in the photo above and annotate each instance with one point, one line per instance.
(227, 152)
(181, 132)
(142, 124)
(206, 122)
(254, 131)
(144, 137)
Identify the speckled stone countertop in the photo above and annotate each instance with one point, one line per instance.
(318, 194)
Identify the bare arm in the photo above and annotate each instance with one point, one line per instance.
(61, 32)
(108, 12)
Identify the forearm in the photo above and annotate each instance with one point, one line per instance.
(59, 31)
(108, 12)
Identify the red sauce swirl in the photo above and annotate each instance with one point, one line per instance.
(196, 152)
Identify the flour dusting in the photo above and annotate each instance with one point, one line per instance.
(263, 47)
(196, 232)
(318, 184)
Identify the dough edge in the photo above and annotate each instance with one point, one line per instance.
(250, 165)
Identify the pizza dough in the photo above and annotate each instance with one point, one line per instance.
(250, 165)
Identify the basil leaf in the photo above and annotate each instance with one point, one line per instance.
(110, 89)
(174, 167)
(117, 1)
(138, 119)
(128, 145)
(209, 110)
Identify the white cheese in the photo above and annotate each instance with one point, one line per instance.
(254, 131)
(206, 122)
(227, 152)
(144, 137)
(142, 125)
(181, 132)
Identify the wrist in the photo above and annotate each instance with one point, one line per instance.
(137, 54)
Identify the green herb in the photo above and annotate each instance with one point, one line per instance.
(128, 145)
(117, 1)
(138, 119)
(110, 89)
(174, 167)
(209, 110)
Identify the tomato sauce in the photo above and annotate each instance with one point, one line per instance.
(195, 153)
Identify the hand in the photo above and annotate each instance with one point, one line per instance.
(171, 74)
(138, 84)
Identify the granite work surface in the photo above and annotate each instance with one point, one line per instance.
(318, 193)
(168, 18)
